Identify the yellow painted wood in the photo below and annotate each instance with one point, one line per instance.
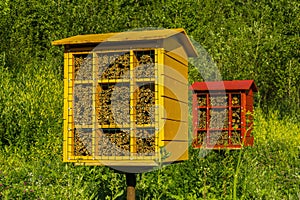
(178, 54)
(180, 57)
(176, 97)
(70, 80)
(70, 90)
(132, 103)
(175, 90)
(145, 80)
(171, 113)
(173, 46)
(176, 69)
(114, 126)
(84, 126)
(96, 159)
(175, 110)
(119, 36)
(178, 150)
(157, 111)
(83, 82)
(170, 36)
(175, 130)
(84, 39)
(94, 119)
(160, 82)
(114, 81)
(82, 52)
(131, 163)
(144, 126)
(65, 113)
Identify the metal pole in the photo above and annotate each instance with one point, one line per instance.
(131, 182)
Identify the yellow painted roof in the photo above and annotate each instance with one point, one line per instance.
(129, 36)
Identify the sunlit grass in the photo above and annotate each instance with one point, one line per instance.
(31, 164)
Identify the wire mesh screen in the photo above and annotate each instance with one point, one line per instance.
(145, 104)
(113, 104)
(83, 64)
(114, 65)
(145, 64)
(218, 119)
(113, 142)
(114, 100)
(145, 141)
(82, 142)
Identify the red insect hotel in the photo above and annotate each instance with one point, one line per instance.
(223, 114)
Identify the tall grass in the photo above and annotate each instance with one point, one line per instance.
(31, 155)
(30, 105)
(268, 170)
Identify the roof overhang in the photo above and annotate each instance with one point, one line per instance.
(164, 38)
(235, 85)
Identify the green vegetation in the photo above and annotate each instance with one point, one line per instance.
(269, 170)
(247, 40)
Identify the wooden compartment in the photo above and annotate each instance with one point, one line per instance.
(125, 97)
(222, 114)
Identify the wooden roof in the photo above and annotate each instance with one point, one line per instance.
(145, 35)
(224, 85)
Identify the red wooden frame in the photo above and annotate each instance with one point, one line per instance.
(228, 123)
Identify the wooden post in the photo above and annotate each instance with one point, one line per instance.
(131, 182)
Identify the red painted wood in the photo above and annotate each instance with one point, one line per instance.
(224, 85)
(245, 89)
(195, 118)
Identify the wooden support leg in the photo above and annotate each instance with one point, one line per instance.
(131, 182)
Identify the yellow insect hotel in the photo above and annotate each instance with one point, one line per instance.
(126, 97)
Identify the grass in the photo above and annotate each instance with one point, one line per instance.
(269, 170)
(31, 164)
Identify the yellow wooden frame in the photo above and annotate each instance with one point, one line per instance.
(171, 47)
(69, 82)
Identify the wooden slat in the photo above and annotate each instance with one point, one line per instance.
(70, 78)
(65, 113)
(175, 66)
(178, 150)
(160, 93)
(133, 96)
(119, 36)
(175, 110)
(175, 90)
(175, 130)
(175, 50)
(124, 163)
